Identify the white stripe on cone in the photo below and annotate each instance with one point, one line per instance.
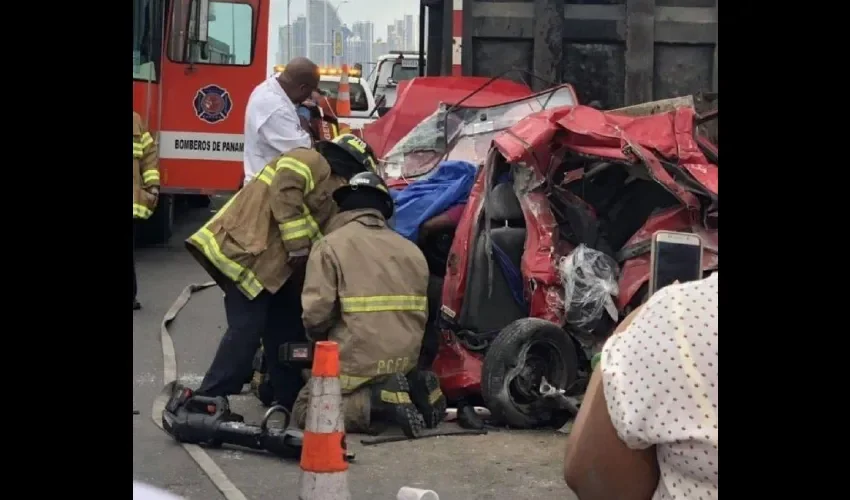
(324, 415)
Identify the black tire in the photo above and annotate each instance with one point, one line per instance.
(545, 349)
(157, 229)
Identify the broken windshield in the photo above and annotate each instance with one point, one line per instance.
(465, 133)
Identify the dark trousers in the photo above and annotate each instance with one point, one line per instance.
(135, 286)
(274, 318)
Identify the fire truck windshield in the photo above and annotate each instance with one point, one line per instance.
(230, 35)
(147, 38)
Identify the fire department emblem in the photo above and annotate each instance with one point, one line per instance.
(212, 104)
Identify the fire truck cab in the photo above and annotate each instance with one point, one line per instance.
(195, 63)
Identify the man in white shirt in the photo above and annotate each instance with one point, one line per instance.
(272, 125)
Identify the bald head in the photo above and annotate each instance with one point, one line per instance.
(299, 79)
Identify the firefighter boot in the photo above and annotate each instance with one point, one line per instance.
(391, 402)
(427, 396)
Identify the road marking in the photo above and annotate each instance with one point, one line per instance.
(169, 373)
(186, 379)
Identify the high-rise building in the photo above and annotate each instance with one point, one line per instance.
(285, 53)
(322, 21)
(399, 32)
(359, 47)
(409, 33)
(379, 48)
(395, 40)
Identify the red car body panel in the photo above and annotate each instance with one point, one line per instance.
(418, 99)
(539, 142)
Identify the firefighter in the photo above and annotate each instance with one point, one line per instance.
(145, 183)
(255, 248)
(365, 288)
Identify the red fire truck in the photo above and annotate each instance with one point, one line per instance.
(195, 63)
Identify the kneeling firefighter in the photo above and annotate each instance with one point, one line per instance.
(365, 288)
(255, 248)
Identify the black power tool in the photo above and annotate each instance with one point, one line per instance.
(204, 420)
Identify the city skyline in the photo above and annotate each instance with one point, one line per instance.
(317, 19)
(312, 36)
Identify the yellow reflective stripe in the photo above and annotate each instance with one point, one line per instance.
(334, 131)
(299, 168)
(316, 234)
(302, 227)
(382, 303)
(150, 176)
(356, 144)
(395, 398)
(138, 150)
(266, 175)
(245, 279)
(141, 211)
(294, 229)
(435, 395)
(147, 140)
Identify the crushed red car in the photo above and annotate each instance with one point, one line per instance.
(420, 97)
(464, 131)
(558, 181)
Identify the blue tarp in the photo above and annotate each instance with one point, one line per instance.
(448, 186)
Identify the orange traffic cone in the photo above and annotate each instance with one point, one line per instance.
(343, 98)
(324, 470)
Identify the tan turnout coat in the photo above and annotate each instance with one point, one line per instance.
(145, 170)
(365, 288)
(283, 209)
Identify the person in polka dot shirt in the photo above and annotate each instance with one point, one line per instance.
(648, 424)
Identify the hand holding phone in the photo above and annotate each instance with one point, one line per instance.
(675, 257)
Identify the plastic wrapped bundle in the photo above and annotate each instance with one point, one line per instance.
(590, 283)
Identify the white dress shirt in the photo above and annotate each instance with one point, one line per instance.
(272, 127)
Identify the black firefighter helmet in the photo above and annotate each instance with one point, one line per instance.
(348, 155)
(365, 190)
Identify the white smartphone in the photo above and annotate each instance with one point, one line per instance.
(674, 257)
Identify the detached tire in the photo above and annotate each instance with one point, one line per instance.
(522, 353)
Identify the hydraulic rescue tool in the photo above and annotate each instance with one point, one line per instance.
(189, 418)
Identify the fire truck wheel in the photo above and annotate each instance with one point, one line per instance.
(199, 201)
(520, 355)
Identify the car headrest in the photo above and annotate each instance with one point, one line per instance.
(503, 204)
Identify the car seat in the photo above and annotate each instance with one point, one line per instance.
(481, 311)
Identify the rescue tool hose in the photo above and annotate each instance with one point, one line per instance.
(210, 468)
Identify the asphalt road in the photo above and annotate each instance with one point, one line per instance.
(501, 465)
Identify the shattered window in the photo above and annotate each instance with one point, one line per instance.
(472, 128)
